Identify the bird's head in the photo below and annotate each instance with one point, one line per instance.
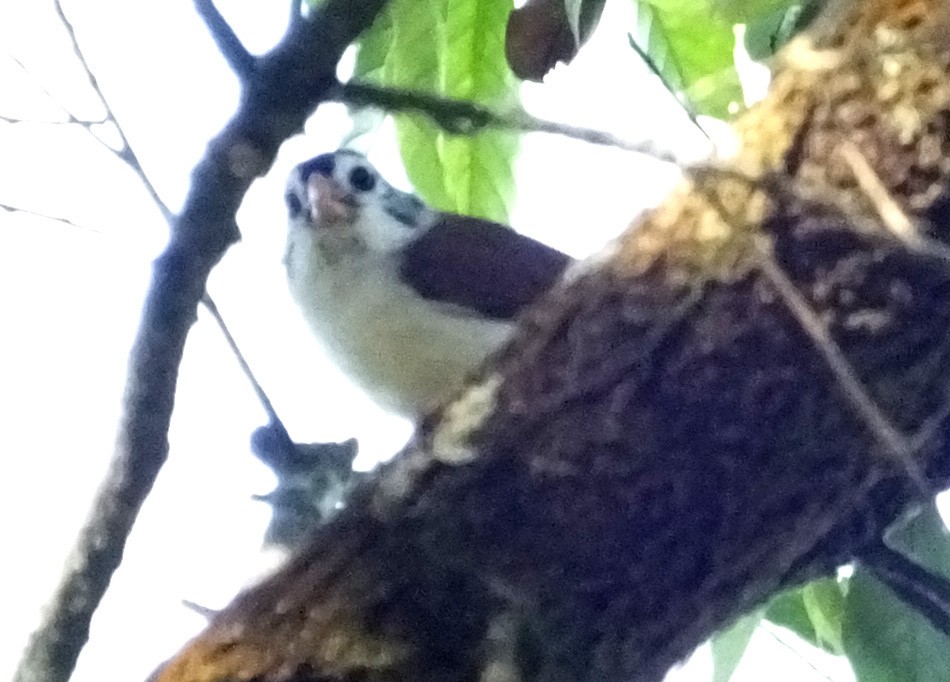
(340, 198)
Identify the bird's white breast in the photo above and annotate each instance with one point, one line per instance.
(408, 353)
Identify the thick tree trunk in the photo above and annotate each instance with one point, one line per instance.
(737, 398)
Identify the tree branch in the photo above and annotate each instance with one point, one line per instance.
(69, 121)
(778, 634)
(655, 70)
(290, 81)
(125, 152)
(47, 216)
(461, 117)
(916, 586)
(127, 155)
(230, 46)
(265, 402)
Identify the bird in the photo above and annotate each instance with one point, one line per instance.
(406, 300)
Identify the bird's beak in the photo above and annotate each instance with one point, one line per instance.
(328, 201)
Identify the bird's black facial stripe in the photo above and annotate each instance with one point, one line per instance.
(323, 164)
(294, 205)
(406, 208)
(362, 179)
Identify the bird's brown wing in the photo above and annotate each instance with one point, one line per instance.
(480, 265)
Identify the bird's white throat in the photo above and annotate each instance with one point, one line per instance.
(409, 353)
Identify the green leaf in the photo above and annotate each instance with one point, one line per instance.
(414, 62)
(885, 639)
(813, 612)
(453, 48)
(479, 169)
(824, 603)
(745, 11)
(769, 31)
(765, 34)
(373, 47)
(481, 174)
(692, 49)
(729, 646)
(788, 610)
(419, 144)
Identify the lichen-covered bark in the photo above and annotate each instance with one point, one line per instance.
(672, 436)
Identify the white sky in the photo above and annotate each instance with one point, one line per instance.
(71, 298)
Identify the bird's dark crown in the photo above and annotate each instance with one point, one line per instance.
(322, 164)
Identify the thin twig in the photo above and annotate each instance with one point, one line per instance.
(127, 155)
(655, 70)
(894, 218)
(918, 587)
(770, 628)
(70, 117)
(290, 81)
(230, 46)
(208, 303)
(17, 121)
(125, 152)
(896, 445)
(47, 216)
(461, 117)
(212, 308)
(205, 612)
(244, 64)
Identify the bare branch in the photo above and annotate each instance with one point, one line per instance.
(891, 215)
(125, 153)
(290, 81)
(777, 634)
(894, 443)
(70, 117)
(69, 121)
(918, 587)
(204, 611)
(212, 308)
(90, 75)
(231, 47)
(460, 117)
(127, 156)
(655, 70)
(47, 216)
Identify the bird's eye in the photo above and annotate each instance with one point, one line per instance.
(294, 205)
(361, 179)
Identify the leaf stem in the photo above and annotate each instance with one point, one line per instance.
(461, 117)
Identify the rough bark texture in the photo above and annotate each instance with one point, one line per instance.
(672, 436)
